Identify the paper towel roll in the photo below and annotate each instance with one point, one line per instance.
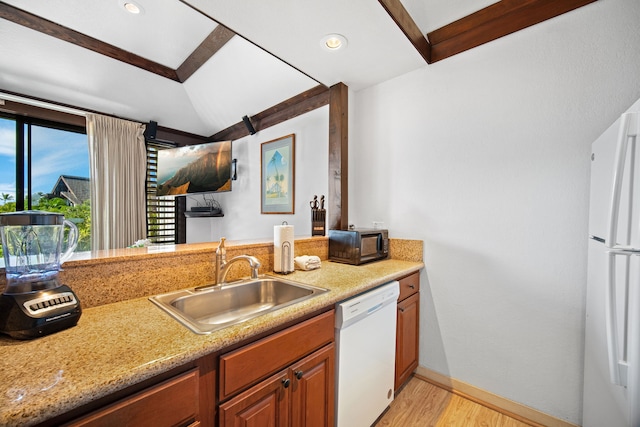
(283, 249)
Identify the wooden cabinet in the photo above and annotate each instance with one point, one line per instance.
(313, 389)
(408, 329)
(184, 396)
(173, 402)
(265, 404)
(284, 380)
(301, 395)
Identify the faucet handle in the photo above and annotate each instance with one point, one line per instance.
(255, 264)
(221, 251)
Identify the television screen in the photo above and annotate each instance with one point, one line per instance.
(202, 168)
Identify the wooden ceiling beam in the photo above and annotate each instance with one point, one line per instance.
(399, 14)
(495, 21)
(34, 22)
(488, 24)
(209, 46)
(304, 102)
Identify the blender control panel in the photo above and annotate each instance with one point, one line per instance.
(44, 305)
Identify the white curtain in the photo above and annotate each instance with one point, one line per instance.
(117, 159)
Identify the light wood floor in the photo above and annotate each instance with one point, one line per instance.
(422, 404)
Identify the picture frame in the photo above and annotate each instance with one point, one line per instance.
(277, 182)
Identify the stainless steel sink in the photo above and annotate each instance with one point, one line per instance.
(210, 308)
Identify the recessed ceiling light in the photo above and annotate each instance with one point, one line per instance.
(334, 42)
(131, 7)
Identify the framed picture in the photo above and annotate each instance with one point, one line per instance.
(277, 184)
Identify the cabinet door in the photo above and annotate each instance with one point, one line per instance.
(246, 366)
(312, 394)
(265, 404)
(407, 336)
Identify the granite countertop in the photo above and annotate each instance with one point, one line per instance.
(120, 344)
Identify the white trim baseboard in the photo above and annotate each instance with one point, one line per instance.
(498, 403)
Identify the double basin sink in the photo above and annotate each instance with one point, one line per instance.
(210, 308)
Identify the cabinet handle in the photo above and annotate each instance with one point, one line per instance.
(401, 309)
(286, 382)
(299, 374)
(412, 286)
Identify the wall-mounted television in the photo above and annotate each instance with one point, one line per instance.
(202, 168)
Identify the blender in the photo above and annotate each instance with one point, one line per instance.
(34, 303)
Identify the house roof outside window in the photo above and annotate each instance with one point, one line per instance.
(75, 189)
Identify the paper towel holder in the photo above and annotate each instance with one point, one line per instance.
(285, 256)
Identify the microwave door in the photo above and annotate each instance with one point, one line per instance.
(370, 245)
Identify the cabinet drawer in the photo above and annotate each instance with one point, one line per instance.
(251, 363)
(409, 285)
(173, 402)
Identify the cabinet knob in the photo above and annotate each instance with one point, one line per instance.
(286, 382)
(299, 374)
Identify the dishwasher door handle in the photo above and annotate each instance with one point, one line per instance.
(375, 308)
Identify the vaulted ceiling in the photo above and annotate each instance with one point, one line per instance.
(199, 66)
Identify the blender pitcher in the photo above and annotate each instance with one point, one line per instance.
(32, 244)
(34, 303)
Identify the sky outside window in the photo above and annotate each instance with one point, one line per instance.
(54, 152)
(8, 157)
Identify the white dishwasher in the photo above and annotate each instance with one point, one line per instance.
(366, 346)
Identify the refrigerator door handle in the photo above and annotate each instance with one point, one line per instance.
(628, 128)
(617, 366)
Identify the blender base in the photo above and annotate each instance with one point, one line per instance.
(36, 314)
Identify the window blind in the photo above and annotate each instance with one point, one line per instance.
(161, 211)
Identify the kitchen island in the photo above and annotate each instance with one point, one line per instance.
(120, 344)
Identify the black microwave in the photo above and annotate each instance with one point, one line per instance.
(357, 246)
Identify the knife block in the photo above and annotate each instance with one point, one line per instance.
(318, 220)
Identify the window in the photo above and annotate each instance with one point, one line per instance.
(161, 211)
(7, 164)
(44, 165)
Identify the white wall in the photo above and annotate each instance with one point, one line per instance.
(241, 207)
(485, 157)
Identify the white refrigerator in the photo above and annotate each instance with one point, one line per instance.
(612, 338)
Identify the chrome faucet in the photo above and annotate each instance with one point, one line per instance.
(222, 266)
